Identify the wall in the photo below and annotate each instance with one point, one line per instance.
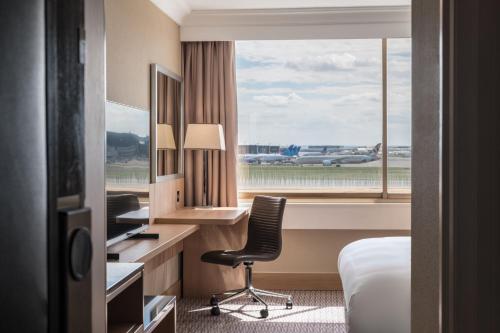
(95, 154)
(137, 34)
(347, 216)
(426, 168)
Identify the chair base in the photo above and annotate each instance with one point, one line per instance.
(250, 292)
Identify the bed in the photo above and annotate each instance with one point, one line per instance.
(375, 277)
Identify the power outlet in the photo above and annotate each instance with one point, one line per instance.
(178, 196)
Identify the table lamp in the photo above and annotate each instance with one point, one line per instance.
(164, 137)
(205, 137)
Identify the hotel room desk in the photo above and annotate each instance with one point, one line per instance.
(219, 229)
(156, 254)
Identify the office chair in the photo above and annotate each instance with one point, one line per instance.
(263, 244)
(118, 204)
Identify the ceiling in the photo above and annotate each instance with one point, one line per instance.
(178, 10)
(282, 4)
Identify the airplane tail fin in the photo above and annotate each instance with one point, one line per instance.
(376, 149)
(292, 150)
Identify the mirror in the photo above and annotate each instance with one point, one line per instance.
(127, 170)
(166, 109)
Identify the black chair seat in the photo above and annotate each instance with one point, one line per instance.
(234, 258)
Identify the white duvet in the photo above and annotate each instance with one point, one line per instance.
(375, 277)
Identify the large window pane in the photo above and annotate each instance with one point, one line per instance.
(310, 115)
(399, 114)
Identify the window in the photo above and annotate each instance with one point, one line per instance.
(311, 116)
(399, 115)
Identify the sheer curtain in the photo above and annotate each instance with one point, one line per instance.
(210, 97)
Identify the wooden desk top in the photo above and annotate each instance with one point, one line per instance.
(142, 250)
(202, 216)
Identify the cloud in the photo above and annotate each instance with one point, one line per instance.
(321, 91)
(320, 63)
(358, 98)
(278, 100)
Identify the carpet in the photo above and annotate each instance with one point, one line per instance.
(313, 311)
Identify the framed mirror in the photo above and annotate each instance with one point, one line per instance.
(127, 171)
(166, 125)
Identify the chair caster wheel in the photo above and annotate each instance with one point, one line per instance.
(264, 313)
(215, 311)
(214, 301)
(289, 304)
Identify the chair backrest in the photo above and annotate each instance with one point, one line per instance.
(118, 204)
(264, 226)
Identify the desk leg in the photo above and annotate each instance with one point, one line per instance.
(202, 279)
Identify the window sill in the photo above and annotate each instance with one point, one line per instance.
(330, 197)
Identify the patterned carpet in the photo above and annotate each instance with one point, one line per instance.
(313, 311)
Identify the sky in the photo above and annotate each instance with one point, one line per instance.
(322, 92)
(126, 119)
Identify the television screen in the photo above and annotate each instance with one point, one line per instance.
(127, 170)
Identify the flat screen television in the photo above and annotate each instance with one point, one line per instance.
(127, 171)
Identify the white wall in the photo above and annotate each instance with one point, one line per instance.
(346, 216)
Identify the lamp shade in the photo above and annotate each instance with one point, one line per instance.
(164, 137)
(205, 137)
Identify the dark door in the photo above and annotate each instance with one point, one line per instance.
(23, 167)
(45, 245)
(471, 166)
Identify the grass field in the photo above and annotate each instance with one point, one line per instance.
(300, 177)
(250, 177)
(120, 175)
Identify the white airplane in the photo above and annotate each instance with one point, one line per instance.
(336, 159)
(285, 155)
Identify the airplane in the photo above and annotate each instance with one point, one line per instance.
(323, 151)
(337, 159)
(285, 155)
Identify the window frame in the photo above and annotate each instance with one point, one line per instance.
(385, 195)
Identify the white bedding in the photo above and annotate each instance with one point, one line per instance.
(375, 276)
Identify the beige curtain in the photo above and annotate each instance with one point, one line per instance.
(168, 113)
(210, 97)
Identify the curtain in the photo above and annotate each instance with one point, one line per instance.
(168, 113)
(210, 97)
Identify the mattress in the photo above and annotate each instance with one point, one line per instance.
(375, 277)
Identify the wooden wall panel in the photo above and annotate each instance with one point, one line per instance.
(202, 279)
(162, 271)
(163, 197)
